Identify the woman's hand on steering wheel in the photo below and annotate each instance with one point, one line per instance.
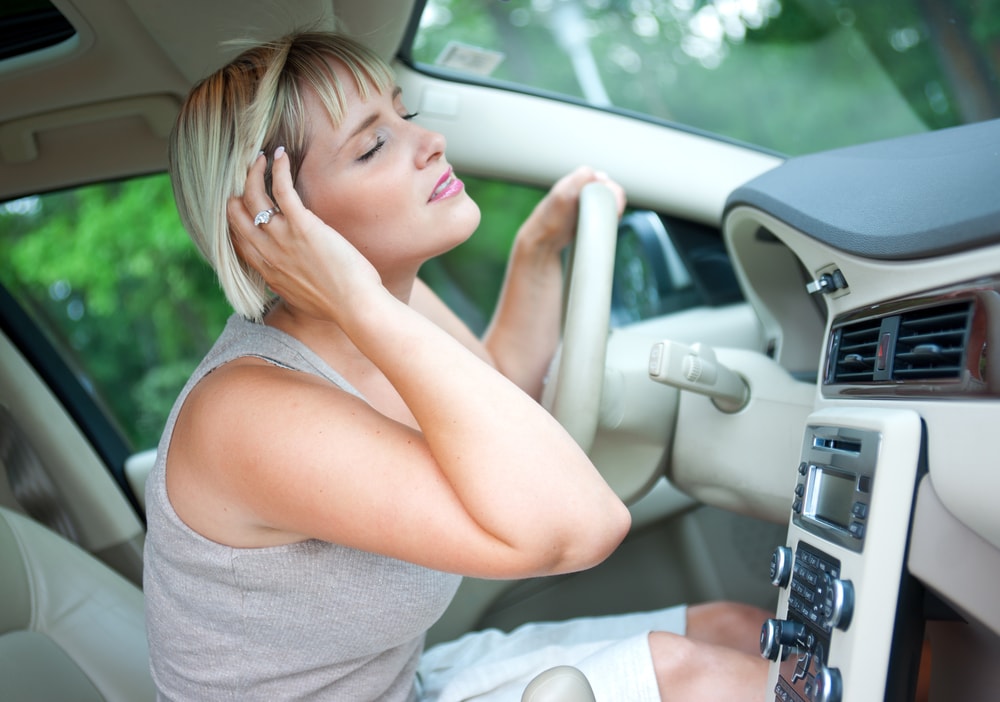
(553, 222)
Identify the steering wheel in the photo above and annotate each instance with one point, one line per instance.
(573, 397)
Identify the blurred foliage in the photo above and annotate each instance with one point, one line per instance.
(109, 273)
(469, 277)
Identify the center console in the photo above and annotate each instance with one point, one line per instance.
(849, 624)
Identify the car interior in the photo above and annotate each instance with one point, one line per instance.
(814, 442)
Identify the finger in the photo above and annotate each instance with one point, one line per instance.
(573, 182)
(241, 211)
(614, 187)
(619, 193)
(243, 233)
(285, 196)
(254, 190)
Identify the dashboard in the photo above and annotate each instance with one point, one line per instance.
(875, 271)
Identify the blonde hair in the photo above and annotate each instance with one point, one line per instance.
(254, 104)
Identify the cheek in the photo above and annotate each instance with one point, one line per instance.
(348, 213)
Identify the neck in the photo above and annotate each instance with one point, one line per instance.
(325, 336)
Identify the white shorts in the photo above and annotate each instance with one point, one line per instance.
(494, 666)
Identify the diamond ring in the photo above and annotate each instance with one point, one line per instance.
(264, 216)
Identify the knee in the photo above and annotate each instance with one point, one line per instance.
(688, 670)
(723, 614)
(723, 623)
(673, 655)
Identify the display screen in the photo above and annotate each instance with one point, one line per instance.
(833, 497)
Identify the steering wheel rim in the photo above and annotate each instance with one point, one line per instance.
(574, 397)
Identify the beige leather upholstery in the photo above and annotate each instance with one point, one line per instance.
(70, 627)
(560, 684)
(73, 629)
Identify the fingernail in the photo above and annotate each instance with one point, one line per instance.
(279, 152)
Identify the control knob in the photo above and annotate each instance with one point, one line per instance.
(776, 633)
(838, 605)
(829, 685)
(781, 566)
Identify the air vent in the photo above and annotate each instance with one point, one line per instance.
(924, 344)
(931, 343)
(857, 346)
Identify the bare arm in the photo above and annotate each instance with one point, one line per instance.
(489, 486)
(524, 332)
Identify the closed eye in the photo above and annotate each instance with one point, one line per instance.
(380, 142)
(368, 155)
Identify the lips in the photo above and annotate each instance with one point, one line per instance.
(447, 186)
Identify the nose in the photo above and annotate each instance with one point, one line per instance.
(432, 146)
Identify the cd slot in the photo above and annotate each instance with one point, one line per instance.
(838, 444)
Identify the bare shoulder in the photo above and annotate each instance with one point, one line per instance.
(243, 427)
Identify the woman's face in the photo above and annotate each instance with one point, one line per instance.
(382, 181)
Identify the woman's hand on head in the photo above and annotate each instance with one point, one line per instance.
(304, 260)
(552, 224)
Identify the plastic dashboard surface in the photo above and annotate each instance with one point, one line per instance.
(906, 198)
(909, 223)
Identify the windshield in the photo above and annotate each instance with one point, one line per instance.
(792, 76)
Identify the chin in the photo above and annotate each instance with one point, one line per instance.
(464, 222)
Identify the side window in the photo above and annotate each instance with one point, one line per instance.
(662, 264)
(740, 69)
(107, 273)
(468, 278)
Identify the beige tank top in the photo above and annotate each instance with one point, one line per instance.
(311, 620)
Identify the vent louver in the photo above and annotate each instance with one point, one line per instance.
(917, 345)
(858, 345)
(931, 343)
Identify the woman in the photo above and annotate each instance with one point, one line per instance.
(348, 449)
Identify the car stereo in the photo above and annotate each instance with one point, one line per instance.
(833, 490)
(845, 615)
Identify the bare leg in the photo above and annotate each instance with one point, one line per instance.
(691, 670)
(729, 624)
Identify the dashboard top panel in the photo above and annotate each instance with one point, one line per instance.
(907, 198)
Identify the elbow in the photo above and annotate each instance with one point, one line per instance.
(614, 527)
(592, 541)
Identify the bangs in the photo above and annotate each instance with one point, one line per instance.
(310, 63)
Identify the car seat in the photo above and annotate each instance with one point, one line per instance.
(73, 629)
(70, 627)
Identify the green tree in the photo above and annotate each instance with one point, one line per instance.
(110, 272)
(794, 76)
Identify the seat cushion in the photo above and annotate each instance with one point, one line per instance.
(34, 668)
(77, 604)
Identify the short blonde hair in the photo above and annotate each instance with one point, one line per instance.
(254, 104)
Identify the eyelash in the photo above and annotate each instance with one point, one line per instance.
(380, 142)
(370, 154)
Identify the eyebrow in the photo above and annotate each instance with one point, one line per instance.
(372, 118)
